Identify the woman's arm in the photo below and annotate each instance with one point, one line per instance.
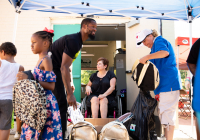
(47, 63)
(110, 90)
(156, 55)
(88, 89)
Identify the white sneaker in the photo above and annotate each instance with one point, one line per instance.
(17, 136)
(12, 132)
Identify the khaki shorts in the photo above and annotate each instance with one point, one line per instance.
(168, 103)
(6, 109)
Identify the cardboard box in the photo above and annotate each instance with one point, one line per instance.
(99, 122)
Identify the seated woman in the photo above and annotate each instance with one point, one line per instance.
(100, 89)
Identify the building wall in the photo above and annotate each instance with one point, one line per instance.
(28, 23)
(168, 31)
(133, 53)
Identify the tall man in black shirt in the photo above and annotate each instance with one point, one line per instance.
(192, 65)
(63, 52)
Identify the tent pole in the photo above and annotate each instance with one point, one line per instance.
(178, 57)
(190, 29)
(15, 27)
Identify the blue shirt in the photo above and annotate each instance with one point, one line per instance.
(169, 77)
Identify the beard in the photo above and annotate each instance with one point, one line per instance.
(92, 37)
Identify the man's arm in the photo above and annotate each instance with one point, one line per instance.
(66, 63)
(192, 68)
(156, 55)
(71, 79)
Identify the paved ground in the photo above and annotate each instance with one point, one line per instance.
(184, 132)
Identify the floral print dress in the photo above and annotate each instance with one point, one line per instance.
(52, 129)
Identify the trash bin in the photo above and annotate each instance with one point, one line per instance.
(123, 97)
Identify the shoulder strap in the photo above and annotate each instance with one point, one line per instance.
(134, 70)
(142, 74)
(41, 61)
(135, 65)
(156, 76)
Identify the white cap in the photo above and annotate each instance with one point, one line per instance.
(142, 35)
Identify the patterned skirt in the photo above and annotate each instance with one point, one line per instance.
(52, 129)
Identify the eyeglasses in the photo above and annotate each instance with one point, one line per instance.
(92, 27)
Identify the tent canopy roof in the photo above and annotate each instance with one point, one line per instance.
(151, 9)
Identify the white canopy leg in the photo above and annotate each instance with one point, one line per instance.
(190, 29)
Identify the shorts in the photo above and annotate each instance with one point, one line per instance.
(167, 107)
(6, 109)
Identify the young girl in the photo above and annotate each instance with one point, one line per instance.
(41, 41)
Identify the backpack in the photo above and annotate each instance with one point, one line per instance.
(83, 131)
(113, 131)
(30, 103)
(146, 75)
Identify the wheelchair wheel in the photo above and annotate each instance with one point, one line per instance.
(83, 106)
(119, 106)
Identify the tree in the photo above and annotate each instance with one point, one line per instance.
(85, 75)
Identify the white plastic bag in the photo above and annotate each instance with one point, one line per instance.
(75, 114)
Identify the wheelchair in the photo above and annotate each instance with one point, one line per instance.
(114, 110)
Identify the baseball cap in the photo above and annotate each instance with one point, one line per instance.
(142, 35)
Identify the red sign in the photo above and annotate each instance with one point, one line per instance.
(184, 41)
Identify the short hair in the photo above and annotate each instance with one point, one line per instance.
(8, 48)
(104, 60)
(87, 21)
(154, 33)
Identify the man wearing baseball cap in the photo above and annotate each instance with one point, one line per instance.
(162, 55)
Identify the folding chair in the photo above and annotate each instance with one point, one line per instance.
(184, 104)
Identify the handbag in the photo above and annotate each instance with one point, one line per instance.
(113, 131)
(83, 131)
(30, 103)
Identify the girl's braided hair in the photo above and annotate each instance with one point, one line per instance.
(45, 35)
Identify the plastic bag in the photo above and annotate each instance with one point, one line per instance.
(142, 121)
(75, 114)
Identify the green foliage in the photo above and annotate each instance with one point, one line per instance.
(85, 75)
(183, 74)
(183, 77)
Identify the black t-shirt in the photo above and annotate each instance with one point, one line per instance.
(101, 85)
(194, 53)
(69, 44)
